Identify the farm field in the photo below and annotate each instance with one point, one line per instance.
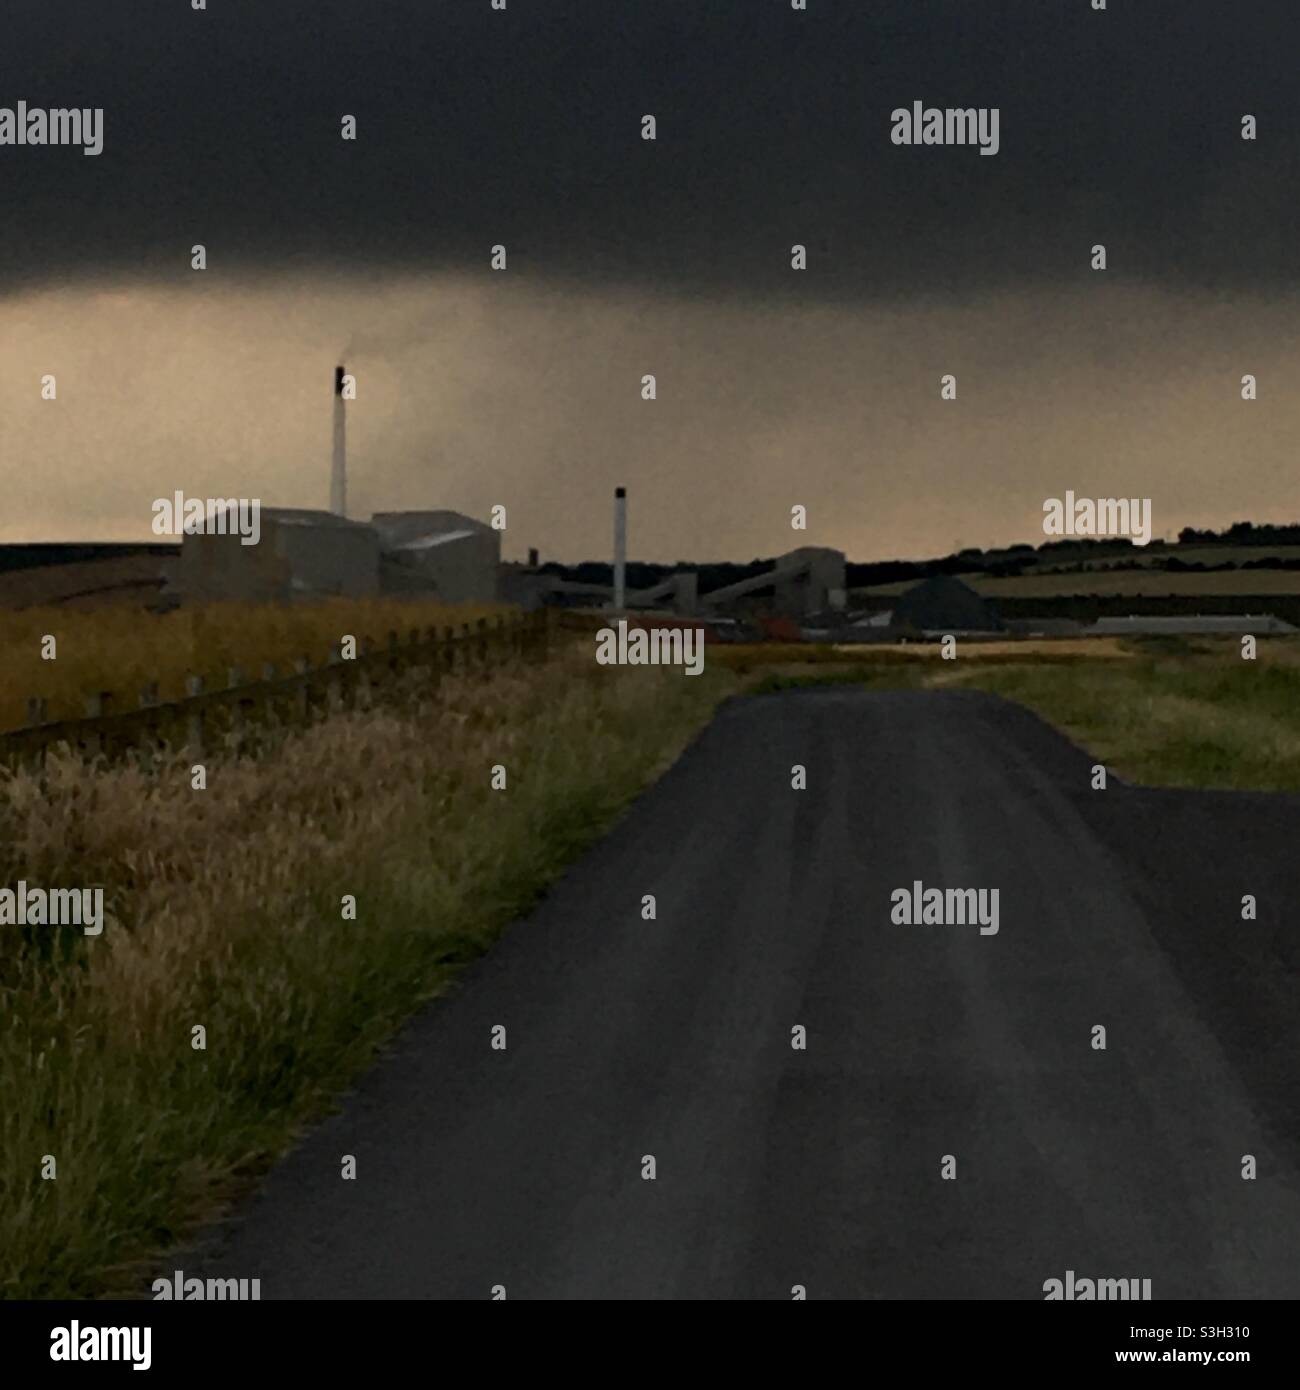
(1121, 583)
(1188, 554)
(87, 584)
(121, 649)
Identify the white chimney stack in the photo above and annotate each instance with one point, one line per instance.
(339, 473)
(620, 546)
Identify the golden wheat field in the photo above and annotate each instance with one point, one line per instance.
(122, 650)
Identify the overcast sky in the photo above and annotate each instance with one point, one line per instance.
(670, 257)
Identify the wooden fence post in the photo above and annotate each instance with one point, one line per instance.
(302, 701)
(89, 742)
(33, 753)
(97, 705)
(270, 702)
(194, 718)
(148, 700)
(234, 679)
(435, 658)
(364, 697)
(333, 682)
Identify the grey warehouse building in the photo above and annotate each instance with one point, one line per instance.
(306, 554)
(302, 553)
(442, 553)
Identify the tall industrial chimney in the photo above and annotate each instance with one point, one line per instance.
(339, 473)
(620, 546)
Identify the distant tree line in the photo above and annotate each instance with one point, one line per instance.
(644, 576)
(998, 562)
(1243, 533)
(39, 554)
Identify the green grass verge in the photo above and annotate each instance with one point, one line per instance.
(1176, 713)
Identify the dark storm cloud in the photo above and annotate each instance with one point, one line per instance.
(478, 126)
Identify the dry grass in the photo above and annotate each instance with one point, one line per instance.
(765, 657)
(1053, 648)
(227, 915)
(121, 650)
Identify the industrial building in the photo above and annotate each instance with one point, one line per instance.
(306, 554)
(940, 605)
(802, 582)
(944, 604)
(441, 553)
(302, 553)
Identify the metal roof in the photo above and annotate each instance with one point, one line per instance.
(309, 516)
(428, 542)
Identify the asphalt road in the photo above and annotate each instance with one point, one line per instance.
(777, 1167)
